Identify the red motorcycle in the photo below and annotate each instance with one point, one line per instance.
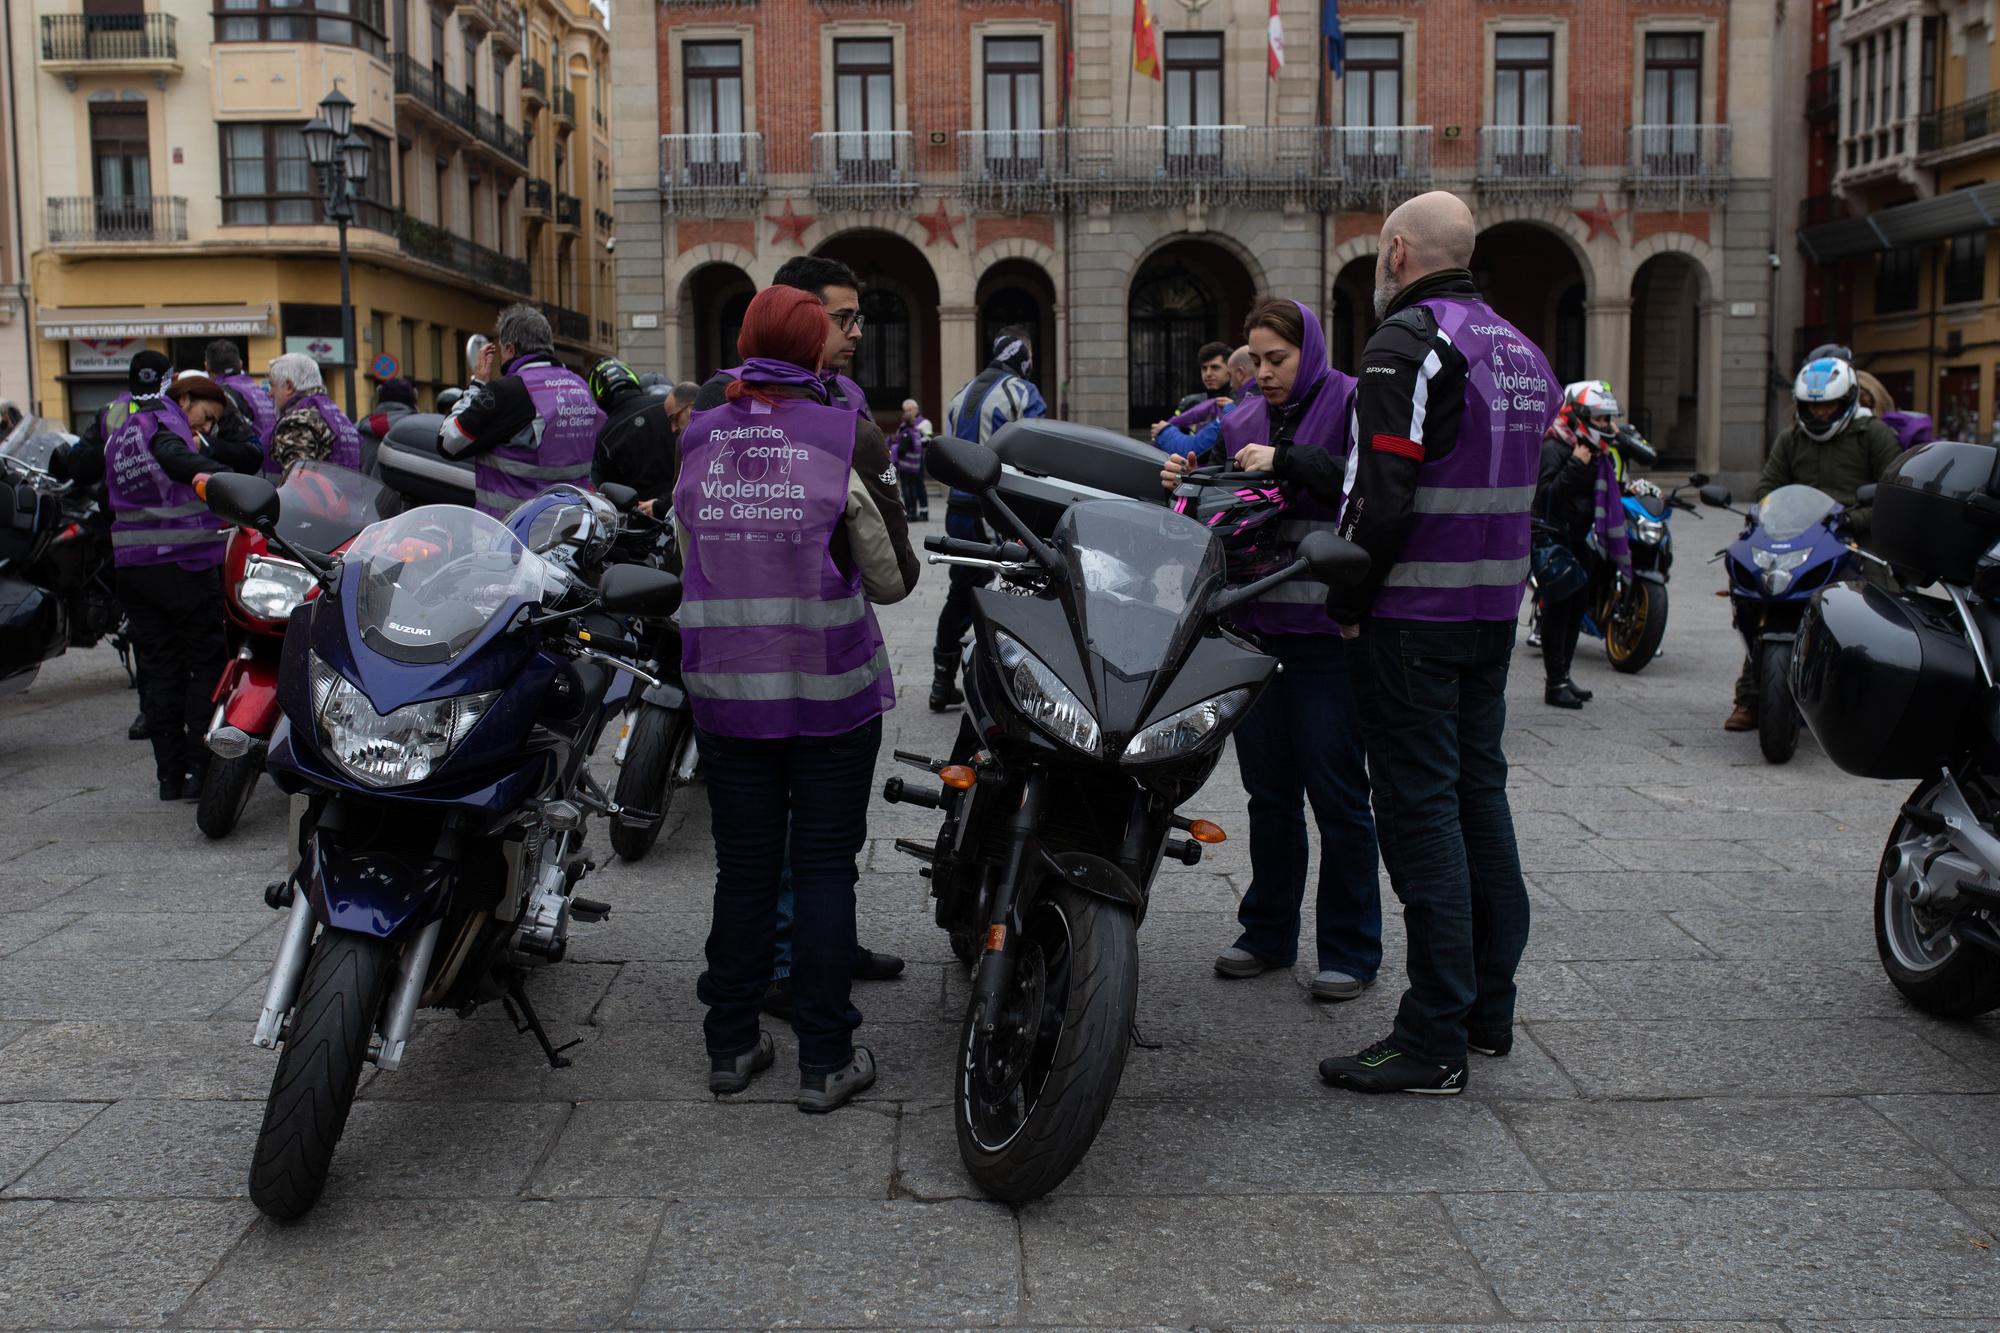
(322, 508)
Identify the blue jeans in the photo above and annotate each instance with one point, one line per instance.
(806, 799)
(1301, 743)
(1433, 704)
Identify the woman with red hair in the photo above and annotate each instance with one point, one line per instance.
(789, 533)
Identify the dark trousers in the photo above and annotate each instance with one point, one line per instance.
(956, 617)
(1302, 743)
(916, 500)
(1433, 705)
(806, 798)
(178, 628)
(1750, 681)
(1562, 622)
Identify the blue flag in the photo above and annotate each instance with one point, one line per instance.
(1336, 44)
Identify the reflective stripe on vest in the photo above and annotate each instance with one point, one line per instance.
(1456, 573)
(163, 536)
(741, 612)
(772, 686)
(1473, 499)
(514, 467)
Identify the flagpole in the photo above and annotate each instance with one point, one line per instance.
(1131, 65)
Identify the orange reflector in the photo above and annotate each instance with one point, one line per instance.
(996, 938)
(201, 486)
(1203, 831)
(958, 777)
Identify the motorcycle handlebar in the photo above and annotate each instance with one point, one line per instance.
(1006, 552)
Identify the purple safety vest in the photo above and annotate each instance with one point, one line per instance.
(156, 520)
(346, 437)
(1466, 557)
(776, 641)
(263, 414)
(562, 443)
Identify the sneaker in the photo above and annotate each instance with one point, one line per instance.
(1535, 632)
(732, 1073)
(1383, 1068)
(1236, 964)
(778, 999)
(1744, 718)
(872, 966)
(1332, 985)
(820, 1093)
(1495, 1044)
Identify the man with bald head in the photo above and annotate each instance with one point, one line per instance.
(1448, 422)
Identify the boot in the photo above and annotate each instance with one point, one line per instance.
(945, 693)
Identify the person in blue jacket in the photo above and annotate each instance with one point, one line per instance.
(1198, 430)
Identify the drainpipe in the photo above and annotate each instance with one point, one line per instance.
(20, 218)
(1068, 214)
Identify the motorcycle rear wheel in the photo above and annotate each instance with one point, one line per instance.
(1934, 970)
(1777, 715)
(1031, 1098)
(225, 793)
(646, 782)
(1632, 636)
(319, 1068)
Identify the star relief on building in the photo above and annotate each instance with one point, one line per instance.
(790, 225)
(942, 225)
(1601, 219)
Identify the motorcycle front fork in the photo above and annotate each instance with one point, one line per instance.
(995, 971)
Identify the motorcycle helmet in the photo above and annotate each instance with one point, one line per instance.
(1591, 411)
(1244, 515)
(568, 524)
(1828, 380)
(609, 378)
(655, 383)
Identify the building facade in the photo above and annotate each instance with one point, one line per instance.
(1904, 116)
(169, 199)
(987, 162)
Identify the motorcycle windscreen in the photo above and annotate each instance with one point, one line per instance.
(1140, 576)
(34, 442)
(322, 505)
(1790, 512)
(429, 581)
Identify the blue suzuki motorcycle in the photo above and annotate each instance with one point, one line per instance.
(1793, 543)
(440, 697)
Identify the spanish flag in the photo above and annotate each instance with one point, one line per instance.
(1145, 51)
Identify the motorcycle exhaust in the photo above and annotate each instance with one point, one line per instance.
(286, 973)
(403, 997)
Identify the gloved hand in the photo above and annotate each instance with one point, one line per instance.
(1639, 486)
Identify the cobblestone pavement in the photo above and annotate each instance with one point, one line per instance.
(1718, 1114)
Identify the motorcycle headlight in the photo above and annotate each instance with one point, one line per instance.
(1189, 729)
(1049, 704)
(273, 588)
(1649, 530)
(1778, 567)
(393, 751)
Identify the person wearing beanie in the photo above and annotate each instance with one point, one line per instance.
(252, 415)
(790, 529)
(394, 400)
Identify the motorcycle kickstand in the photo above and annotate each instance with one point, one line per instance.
(525, 1019)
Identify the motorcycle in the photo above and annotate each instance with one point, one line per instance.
(439, 700)
(56, 589)
(1899, 682)
(1100, 686)
(1631, 615)
(1793, 544)
(321, 507)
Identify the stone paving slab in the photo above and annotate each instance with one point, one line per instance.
(28, 1130)
(74, 1265)
(1754, 1059)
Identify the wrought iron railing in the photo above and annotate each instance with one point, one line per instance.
(603, 220)
(1958, 125)
(425, 241)
(1161, 165)
(1529, 162)
(1676, 165)
(573, 325)
(421, 84)
(709, 175)
(863, 169)
(507, 24)
(564, 103)
(1378, 166)
(535, 78)
(1823, 92)
(82, 38)
(538, 196)
(87, 219)
(1009, 171)
(569, 210)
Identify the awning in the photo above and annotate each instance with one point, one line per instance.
(138, 321)
(1959, 213)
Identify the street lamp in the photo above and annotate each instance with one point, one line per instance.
(341, 159)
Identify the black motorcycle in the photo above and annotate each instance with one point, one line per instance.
(55, 558)
(1899, 682)
(1100, 687)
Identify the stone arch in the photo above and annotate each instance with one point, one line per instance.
(1023, 248)
(1259, 276)
(709, 299)
(902, 292)
(1700, 252)
(954, 281)
(1536, 276)
(1559, 222)
(1186, 290)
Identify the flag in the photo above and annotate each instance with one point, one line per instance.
(1277, 51)
(1329, 26)
(1145, 51)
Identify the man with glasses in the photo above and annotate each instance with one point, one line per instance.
(839, 291)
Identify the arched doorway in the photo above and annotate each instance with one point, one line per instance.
(1017, 292)
(898, 355)
(1353, 313)
(713, 300)
(1662, 390)
(1187, 293)
(1532, 278)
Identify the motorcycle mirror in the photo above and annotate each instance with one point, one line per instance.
(1716, 497)
(1864, 495)
(250, 502)
(963, 465)
(638, 590)
(1698, 479)
(1334, 561)
(622, 497)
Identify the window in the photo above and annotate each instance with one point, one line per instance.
(883, 362)
(712, 82)
(499, 81)
(1896, 275)
(357, 23)
(1523, 103)
(471, 68)
(864, 96)
(121, 164)
(1673, 79)
(1927, 71)
(1958, 403)
(266, 179)
(438, 375)
(1374, 81)
(1965, 268)
(409, 348)
(1194, 78)
(321, 325)
(1014, 97)
(437, 42)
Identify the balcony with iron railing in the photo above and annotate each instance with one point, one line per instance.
(116, 220)
(563, 102)
(440, 246)
(570, 325)
(1823, 93)
(1376, 167)
(1010, 171)
(477, 17)
(1529, 163)
(507, 24)
(1154, 166)
(538, 196)
(863, 169)
(569, 210)
(420, 85)
(534, 80)
(74, 43)
(1673, 166)
(711, 175)
(1958, 127)
(604, 330)
(603, 220)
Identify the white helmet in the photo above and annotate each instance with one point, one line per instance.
(1827, 379)
(1592, 409)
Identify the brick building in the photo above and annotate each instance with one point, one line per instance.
(993, 161)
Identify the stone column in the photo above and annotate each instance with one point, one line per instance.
(1607, 340)
(958, 355)
(1708, 389)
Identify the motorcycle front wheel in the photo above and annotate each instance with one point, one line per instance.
(1777, 715)
(1031, 1097)
(1923, 957)
(225, 793)
(319, 1069)
(1633, 630)
(646, 782)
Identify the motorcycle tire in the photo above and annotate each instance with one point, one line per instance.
(1958, 981)
(225, 794)
(646, 781)
(319, 1067)
(1079, 968)
(1777, 715)
(1632, 641)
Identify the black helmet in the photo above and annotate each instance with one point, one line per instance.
(609, 379)
(1242, 511)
